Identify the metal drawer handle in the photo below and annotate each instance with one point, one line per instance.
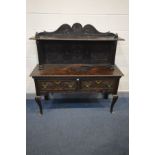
(70, 85)
(57, 82)
(44, 86)
(87, 85)
(109, 86)
(98, 82)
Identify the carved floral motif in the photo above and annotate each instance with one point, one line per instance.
(57, 85)
(94, 84)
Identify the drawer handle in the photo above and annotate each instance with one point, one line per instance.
(98, 82)
(57, 82)
(70, 85)
(87, 85)
(44, 86)
(109, 86)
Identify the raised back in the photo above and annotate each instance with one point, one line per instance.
(66, 32)
(76, 45)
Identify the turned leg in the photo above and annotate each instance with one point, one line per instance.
(106, 95)
(46, 97)
(114, 99)
(38, 101)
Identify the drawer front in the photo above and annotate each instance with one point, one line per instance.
(57, 85)
(98, 84)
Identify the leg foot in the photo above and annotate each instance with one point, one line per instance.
(38, 101)
(46, 97)
(106, 95)
(115, 97)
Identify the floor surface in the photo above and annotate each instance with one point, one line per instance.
(78, 125)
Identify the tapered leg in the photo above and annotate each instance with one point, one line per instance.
(115, 97)
(106, 95)
(46, 97)
(38, 101)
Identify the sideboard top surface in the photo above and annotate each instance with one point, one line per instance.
(71, 70)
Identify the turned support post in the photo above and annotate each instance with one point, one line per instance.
(38, 101)
(114, 99)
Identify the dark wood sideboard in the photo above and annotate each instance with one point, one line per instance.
(75, 59)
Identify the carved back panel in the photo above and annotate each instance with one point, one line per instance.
(68, 52)
(76, 45)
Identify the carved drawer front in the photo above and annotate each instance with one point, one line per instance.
(105, 84)
(57, 85)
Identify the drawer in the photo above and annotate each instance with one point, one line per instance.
(97, 84)
(57, 85)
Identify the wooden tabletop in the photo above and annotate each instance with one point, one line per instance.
(72, 70)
